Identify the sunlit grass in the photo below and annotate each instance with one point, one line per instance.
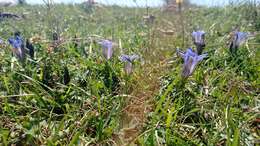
(154, 105)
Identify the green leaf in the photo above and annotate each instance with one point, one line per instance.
(236, 137)
(75, 139)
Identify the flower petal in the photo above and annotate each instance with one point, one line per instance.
(201, 57)
(191, 59)
(182, 54)
(124, 58)
(134, 57)
(198, 37)
(240, 38)
(107, 47)
(128, 68)
(128, 58)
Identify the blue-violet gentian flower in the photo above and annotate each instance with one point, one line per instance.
(198, 38)
(238, 39)
(18, 46)
(107, 48)
(128, 59)
(191, 59)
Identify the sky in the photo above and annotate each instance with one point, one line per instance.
(150, 3)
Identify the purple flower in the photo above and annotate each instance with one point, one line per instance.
(107, 47)
(198, 37)
(18, 46)
(1, 41)
(238, 39)
(191, 59)
(128, 59)
(128, 68)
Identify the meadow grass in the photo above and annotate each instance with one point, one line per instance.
(101, 105)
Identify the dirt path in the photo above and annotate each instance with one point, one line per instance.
(141, 102)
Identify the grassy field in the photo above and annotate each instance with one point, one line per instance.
(102, 105)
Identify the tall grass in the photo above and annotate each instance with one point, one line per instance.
(218, 105)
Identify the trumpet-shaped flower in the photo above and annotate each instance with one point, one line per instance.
(128, 59)
(198, 38)
(18, 46)
(30, 47)
(107, 47)
(8, 15)
(191, 59)
(238, 39)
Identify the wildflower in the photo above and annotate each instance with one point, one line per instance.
(128, 59)
(56, 40)
(66, 76)
(191, 59)
(47, 74)
(238, 39)
(30, 48)
(149, 19)
(18, 45)
(7, 3)
(198, 38)
(8, 15)
(107, 47)
(55, 36)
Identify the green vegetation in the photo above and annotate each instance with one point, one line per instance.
(101, 105)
